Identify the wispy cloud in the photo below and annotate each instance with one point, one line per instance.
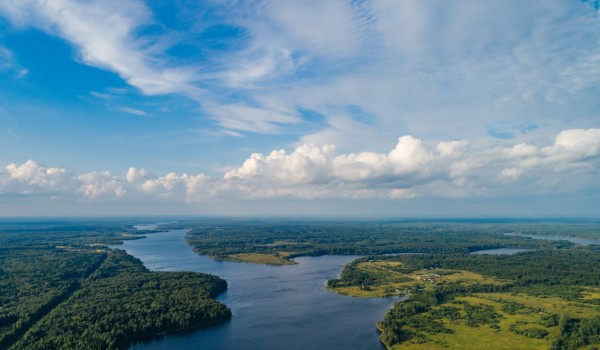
(133, 111)
(9, 63)
(483, 64)
(106, 35)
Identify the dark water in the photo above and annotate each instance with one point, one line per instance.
(274, 307)
(502, 251)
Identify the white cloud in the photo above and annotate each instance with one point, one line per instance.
(322, 27)
(574, 145)
(414, 73)
(135, 175)
(8, 63)
(401, 193)
(483, 64)
(510, 173)
(245, 118)
(33, 178)
(100, 185)
(133, 111)
(452, 148)
(169, 187)
(105, 35)
(412, 169)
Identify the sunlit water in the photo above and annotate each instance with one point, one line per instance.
(274, 307)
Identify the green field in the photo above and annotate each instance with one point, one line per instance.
(547, 299)
(520, 322)
(389, 281)
(268, 259)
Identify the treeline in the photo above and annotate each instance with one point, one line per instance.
(539, 271)
(576, 333)
(122, 302)
(48, 234)
(301, 238)
(566, 267)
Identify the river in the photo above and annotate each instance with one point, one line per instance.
(274, 307)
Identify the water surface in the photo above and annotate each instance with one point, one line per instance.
(576, 240)
(502, 251)
(274, 307)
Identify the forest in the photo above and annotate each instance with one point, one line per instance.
(545, 299)
(286, 239)
(62, 288)
(63, 285)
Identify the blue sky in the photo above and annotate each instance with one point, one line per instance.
(370, 108)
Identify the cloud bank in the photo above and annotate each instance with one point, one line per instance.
(412, 169)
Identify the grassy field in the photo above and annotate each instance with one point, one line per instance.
(269, 259)
(491, 320)
(392, 282)
(591, 293)
(547, 304)
(516, 314)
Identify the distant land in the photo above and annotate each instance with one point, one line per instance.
(535, 287)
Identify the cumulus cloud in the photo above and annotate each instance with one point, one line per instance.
(413, 168)
(33, 178)
(169, 187)
(574, 145)
(100, 185)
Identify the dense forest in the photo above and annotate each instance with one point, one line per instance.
(288, 238)
(61, 288)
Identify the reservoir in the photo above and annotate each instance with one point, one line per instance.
(274, 307)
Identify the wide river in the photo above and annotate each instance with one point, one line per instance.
(274, 307)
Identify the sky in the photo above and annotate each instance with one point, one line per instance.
(361, 108)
